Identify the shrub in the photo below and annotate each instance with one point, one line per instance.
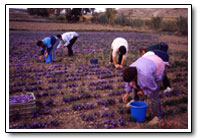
(137, 23)
(60, 17)
(100, 18)
(168, 26)
(94, 18)
(156, 22)
(122, 20)
(182, 25)
(147, 22)
(103, 19)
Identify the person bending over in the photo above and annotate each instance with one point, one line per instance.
(144, 77)
(158, 49)
(68, 39)
(119, 47)
(48, 46)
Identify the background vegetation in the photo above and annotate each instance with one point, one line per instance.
(112, 17)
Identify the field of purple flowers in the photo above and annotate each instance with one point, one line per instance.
(72, 94)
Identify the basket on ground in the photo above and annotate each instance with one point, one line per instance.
(23, 109)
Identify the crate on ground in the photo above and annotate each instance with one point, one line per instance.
(23, 105)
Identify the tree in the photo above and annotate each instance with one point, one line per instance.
(87, 10)
(57, 11)
(110, 13)
(74, 14)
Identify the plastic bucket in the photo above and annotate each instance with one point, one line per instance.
(48, 59)
(138, 110)
(94, 61)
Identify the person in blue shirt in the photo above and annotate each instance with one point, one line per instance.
(159, 49)
(48, 46)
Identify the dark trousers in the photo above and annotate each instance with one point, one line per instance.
(165, 81)
(155, 101)
(156, 104)
(71, 42)
(119, 59)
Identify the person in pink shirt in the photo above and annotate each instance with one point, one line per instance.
(160, 65)
(144, 76)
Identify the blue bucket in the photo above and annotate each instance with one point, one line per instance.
(48, 59)
(94, 61)
(138, 110)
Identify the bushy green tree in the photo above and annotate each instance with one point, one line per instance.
(110, 13)
(74, 14)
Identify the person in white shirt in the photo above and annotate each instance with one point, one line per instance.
(67, 40)
(119, 47)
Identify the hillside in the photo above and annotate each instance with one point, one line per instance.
(149, 12)
(19, 19)
(22, 15)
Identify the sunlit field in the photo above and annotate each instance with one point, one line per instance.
(73, 94)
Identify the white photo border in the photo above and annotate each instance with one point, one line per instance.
(189, 6)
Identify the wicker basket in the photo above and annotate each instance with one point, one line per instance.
(23, 109)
